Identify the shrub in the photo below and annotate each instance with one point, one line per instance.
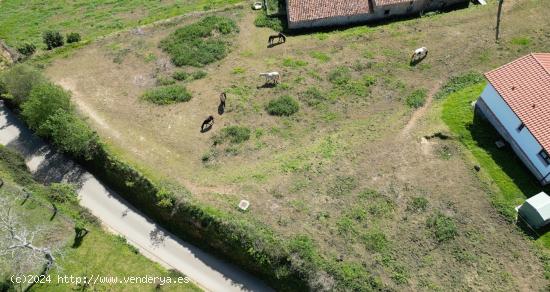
(313, 96)
(44, 100)
(196, 44)
(26, 49)
(180, 75)
(444, 227)
(375, 241)
(319, 56)
(19, 81)
(418, 204)
(71, 134)
(291, 63)
(263, 20)
(199, 75)
(165, 80)
(52, 39)
(236, 134)
(340, 76)
(283, 106)
(62, 192)
(167, 94)
(417, 98)
(73, 37)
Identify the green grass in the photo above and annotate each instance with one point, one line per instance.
(170, 94)
(417, 98)
(200, 43)
(235, 135)
(283, 106)
(24, 20)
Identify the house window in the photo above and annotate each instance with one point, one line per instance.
(544, 155)
(387, 12)
(521, 127)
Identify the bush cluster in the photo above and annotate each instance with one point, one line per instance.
(167, 94)
(457, 83)
(18, 82)
(197, 44)
(283, 106)
(26, 49)
(273, 22)
(73, 37)
(62, 192)
(53, 39)
(235, 135)
(444, 227)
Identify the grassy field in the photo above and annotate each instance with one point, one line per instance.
(25, 21)
(354, 177)
(513, 180)
(100, 253)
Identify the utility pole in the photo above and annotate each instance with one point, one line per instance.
(500, 2)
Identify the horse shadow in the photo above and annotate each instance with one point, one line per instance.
(267, 85)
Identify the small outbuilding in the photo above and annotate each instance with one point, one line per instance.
(536, 210)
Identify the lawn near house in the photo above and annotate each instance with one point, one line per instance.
(510, 183)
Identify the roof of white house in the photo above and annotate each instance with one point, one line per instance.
(541, 203)
(524, 84)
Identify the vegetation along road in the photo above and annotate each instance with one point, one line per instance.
(116, 214)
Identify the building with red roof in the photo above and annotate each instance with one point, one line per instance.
(516, 101)
(317, 13)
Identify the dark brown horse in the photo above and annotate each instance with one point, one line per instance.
(281, 38)
(221, 106)
(207, 124)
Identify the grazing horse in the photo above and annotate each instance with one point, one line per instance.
(271, 77)
(419, 55)
(281, 38)
(207, 124)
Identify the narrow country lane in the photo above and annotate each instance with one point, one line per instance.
(119, 216)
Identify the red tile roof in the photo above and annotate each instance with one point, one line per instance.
(305, 10)
(524, 84)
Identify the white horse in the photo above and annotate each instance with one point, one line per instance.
(271, 77)
(419, 55)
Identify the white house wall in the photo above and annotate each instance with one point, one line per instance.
(508, 120)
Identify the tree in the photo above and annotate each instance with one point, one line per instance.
(71, 134)
(44, 100)
(73, 37)
(500, 2)
(26, 49)
(52, 39)
(19, 81)
(16, 242)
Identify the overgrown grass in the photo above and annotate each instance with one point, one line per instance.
(170, 94)
(234, 134)
(459, 82)
(443, 227)
(200, 43)
(274, 22)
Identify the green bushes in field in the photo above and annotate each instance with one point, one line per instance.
(340, 76)
(235, 135)
(26, 49)
(165, 80)
(198, 74)
(313, 96)
(169, 94)
(417, 98)
(18, 83)
(283, 106)
(73, 37)
(443, 227)
(180, 75)
(52, 39)
(200, 43)
(418, 204)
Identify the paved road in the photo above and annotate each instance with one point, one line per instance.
(153, 241)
